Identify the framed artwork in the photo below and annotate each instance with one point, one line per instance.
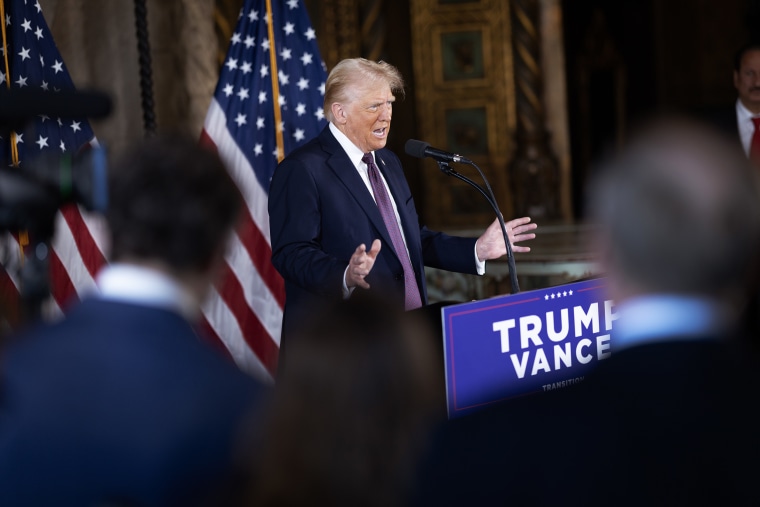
(462, 55)
(467, 130)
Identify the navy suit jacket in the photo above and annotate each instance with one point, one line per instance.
(320, 210)
(119, 404)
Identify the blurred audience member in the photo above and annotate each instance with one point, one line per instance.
(351, 409)
(669, 418)
(120, 403)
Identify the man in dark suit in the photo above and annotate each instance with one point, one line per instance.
(670, 417)
(121, 403)
(342, 217)
(736, 120)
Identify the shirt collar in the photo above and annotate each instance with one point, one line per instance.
(743, 114)
(353, 151)
(144, 286)
(665, 318)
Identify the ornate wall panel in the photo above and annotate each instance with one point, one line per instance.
(465, 100)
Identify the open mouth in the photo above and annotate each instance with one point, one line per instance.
(380, 132)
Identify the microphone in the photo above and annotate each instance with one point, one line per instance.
(422, 149)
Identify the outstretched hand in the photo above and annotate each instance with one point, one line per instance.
(490, 244)
(361, 264)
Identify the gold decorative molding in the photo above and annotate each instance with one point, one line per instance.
(465, 98)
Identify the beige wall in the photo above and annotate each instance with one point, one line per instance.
(99, 45)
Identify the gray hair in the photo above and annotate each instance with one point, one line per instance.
(348, 74)
(679, 210)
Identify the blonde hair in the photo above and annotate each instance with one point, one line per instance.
(348, 74)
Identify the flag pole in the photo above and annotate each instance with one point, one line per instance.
(275, 85)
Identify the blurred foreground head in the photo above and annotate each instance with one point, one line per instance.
(679, 213)
(351, 408)
(172, 203)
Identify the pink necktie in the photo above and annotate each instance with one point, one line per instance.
(754, 147)
(412, 292)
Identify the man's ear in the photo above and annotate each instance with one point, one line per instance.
(339, 113)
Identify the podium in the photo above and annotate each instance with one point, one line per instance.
(521, 344)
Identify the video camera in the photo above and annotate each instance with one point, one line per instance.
(31, 194)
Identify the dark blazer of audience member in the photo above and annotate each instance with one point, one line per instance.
(351, 410)
(328, 237)
(121, 402)
(670, 417)
(735, 120)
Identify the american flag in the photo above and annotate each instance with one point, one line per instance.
(268, 102)
(32, 60)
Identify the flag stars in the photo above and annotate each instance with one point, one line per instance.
(62, 147)
(38, 33)
(281, 101)
(249, 42)
(42, 61)
(292, 4)
(242, 93)
(265, 44)
(7, 20)
(75, 126)
(2, 77)
(231, 64)
(320, 114)
(42, 142)
(284, 78)
(27, 25)
(289, 28)
(301, 109)
(246, 67)
(235, 38)
(259, 123)
(228, 90)
(45, 85)
(253, 16)
(286, 54)
(298, 135)
(262, 97)
(264, 71)
(58, 66)
(306, 59)
(322, 88)
(21, 82)
(240, 120)
(303, 84)
(37, 5)
(310, 34)
(258, 149)
(24, 54)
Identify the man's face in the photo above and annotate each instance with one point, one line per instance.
(747, 80)
(366, 117)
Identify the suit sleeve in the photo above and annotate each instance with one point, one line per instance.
(295, 220)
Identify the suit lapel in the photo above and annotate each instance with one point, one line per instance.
(344, 169)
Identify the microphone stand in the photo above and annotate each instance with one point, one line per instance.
(448, 170)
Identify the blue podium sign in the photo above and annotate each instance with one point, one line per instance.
(525, 343)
